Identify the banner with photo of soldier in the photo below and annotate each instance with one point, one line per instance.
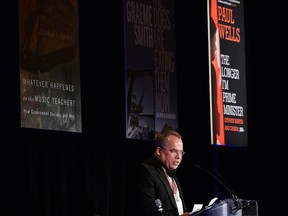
(150, 66)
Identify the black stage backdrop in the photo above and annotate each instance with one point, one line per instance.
(51, 173)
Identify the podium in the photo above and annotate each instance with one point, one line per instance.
(230, 207)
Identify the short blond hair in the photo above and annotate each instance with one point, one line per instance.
(162, 136)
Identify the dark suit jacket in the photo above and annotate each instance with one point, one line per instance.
(151, 183)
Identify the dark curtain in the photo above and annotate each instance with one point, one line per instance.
(51, 173)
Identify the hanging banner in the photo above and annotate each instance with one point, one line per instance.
(227, 73)
(49, 65)
(150, 65)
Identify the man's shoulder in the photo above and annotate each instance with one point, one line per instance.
(150, 162)
(151, 165)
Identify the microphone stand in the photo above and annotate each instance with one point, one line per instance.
(233, 195)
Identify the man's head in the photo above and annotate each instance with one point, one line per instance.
(169, 148)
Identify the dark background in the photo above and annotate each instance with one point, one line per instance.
(51, 173)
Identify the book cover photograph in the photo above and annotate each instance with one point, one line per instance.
(150, 68)
(227, 73)
(49, 65)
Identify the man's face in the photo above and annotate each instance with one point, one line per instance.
(171, 154)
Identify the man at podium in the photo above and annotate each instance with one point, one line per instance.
(157, 189)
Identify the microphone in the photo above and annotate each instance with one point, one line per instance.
(159, 208)
(224, 184)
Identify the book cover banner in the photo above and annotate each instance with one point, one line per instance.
(227, 73)
(150, 66)
(49, 65)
